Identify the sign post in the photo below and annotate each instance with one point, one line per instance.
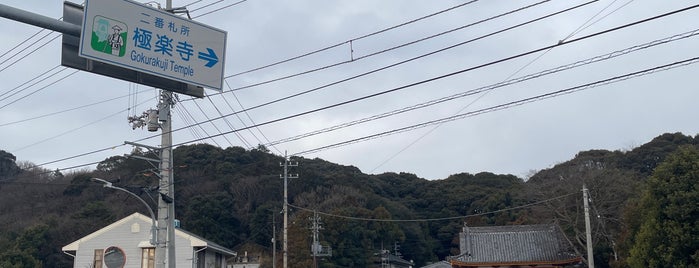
(137, 37)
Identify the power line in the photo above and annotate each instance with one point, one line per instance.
(207, 136)
(461, 71)
(72, 130)
(212, 123)
(194, 131)
(408, 60)
(413, 84)
(29, 81)
(249, 117)
(364, 37)
(353, 39)
(64, 111)
(434, 219)
(580, 28)
(204, 6)
(42, 88)
(410, 43)
(219, 9)
(520, 79)
(507, 105)
(373, 54)
(230, 125)
(199, 139)
(31, 52)
(482, 111)
(601, 18)
(20, 44)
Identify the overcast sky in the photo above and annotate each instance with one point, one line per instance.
(514, 140)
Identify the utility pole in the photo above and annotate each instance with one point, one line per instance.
(154, 120)
(588, 231)
(166, 203)
(285, 209)
(274, 240)
(315, 245)
(318, 250)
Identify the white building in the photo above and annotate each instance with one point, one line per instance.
(130, 236)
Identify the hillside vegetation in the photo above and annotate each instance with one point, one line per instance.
(643, 204)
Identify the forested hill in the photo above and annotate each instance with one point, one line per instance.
(231, 195)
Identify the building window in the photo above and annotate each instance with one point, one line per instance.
(148, 258)
(97, 260)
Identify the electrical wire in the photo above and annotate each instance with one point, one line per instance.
(212, 123)
(378, 32)
(433, 219)
(74, 129)
(520, 79)
(562, 43)
(249, 117)
(228, 122)
(192, 3)
(194, 131)
(418, 57)
(20, 44)
(31, 52)
(373, 54)
(42, 88)
(29, 81)
(506, 105)
(239, 117)
(219, 9)
(204, 6)
(260, 106)
(410, 43)
(66, 110)
(191, 117)
(430, 131)
(601, 18)
(421, 82)
(353, 39)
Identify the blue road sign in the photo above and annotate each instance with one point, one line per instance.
(142, 38)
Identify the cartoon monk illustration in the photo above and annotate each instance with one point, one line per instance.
(115, 40)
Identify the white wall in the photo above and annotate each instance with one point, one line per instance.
(128, 239)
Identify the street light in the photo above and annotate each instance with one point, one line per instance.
(154, 228)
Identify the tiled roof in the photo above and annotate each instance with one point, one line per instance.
(543, 243)
(441, 264)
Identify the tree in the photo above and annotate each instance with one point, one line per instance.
(8, 167)
(25, 251)
(668, 235)
(211, 216)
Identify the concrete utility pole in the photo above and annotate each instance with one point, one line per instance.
(165, 255)
(161, 119)
(166, 202)
(274, 240)
(285, 209)
(588, 231)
